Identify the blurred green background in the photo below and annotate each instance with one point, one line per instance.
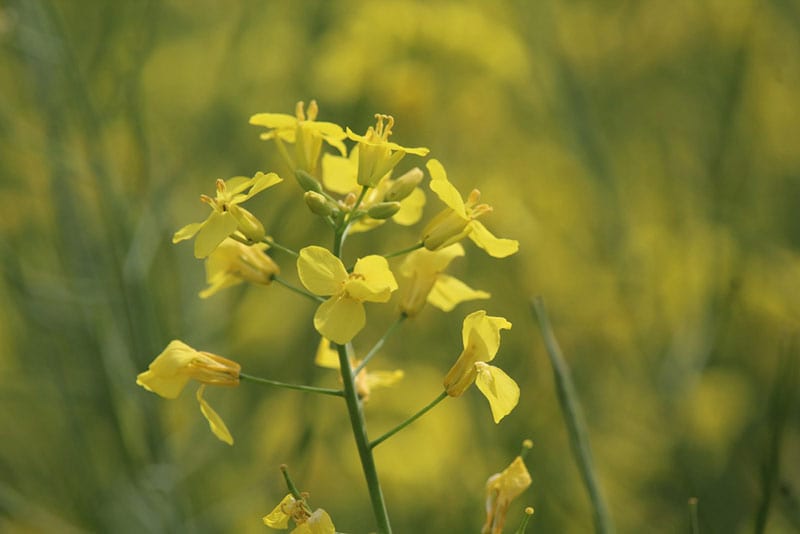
(646, 155)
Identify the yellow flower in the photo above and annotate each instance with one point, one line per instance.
(232, 263)
(308, 522)
(459, 219)
(365, 381)
(481, 337)
(227, 216)
(425, 281)
(342, 316)
(501, 489)
(179, 363)
(377, 155)
(304, 131)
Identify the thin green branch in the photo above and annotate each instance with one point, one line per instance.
(274, 244)
(693, 520)
(374, 443)
(290, 483)
(374, 350)
(573, 417)
(404, 251)
(298, 290)
(298, 387)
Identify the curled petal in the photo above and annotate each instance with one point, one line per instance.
(339, 319)
(444, 189)
(487, 329)
(278, 518)
(215, 422)
(495, 246)
(499, 389)
(320, 271)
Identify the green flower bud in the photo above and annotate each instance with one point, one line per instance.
(383, 210)
(404, 185)
(318, 204)
(307, 182)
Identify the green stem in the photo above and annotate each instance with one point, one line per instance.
(374, 443)
(284, 153)
(573, 416)
(364, 190)
(695, 524)
(374, 350)
(299, 291)
(404, 251)
(356, 413)
(298, 387)
(274, 244)
(290, 483)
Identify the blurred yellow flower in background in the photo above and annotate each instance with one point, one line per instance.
(179, 363)
(501, 489)
(232, 263)
(365, 380)
(342, 316)
(308, 522)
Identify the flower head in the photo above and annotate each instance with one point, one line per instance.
(304, 131)
(426, 282)
(501, 489)
(377, 155)
(308, 522)
(179, 363)
(459, 219)
(227, 216)
(342, 316)
(233, 262)
(481, 337)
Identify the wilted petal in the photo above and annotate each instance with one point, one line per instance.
(318, 523)
(278, 518)
(215, 422)
(495, 246)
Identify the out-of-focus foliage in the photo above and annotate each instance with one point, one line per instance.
(645, 154)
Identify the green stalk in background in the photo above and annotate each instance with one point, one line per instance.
(573, 416)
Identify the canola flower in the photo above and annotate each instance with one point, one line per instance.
(501, 489)
(460, 219)
(232, 263)
(481, 336)
(308, 522)
(342, 316)
(177, 365)
(227, 216)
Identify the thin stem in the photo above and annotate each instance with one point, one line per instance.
(364, 190)
(374, 350)
(284, 153)
(298, 290)
(356, 413)
(274, 244)
(695, 524)
(573, 417)
(374, 443)
(404, 251)
(299, 387)
(290, 483)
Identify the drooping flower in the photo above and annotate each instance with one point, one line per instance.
(425, 281)
(481, 337)
(365, 380)
(308, 522)
(342, 316)
(179, 363)
(304, 131)
(501, 489)
(376, 154)
(227, 216)
(232, 263)
(459, 219)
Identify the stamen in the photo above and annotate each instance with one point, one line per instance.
(298, 111)
(313, 110)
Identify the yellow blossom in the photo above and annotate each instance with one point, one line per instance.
(342, 316)
(425, 281)
(459, 219)
(227, 216)
(232, 263)
(481, 338)
(308, 522)
(377, 155)
(365, 381)
(501, 489)
(179, 363)
(304, 131)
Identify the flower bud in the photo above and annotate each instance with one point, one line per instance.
(307, 182)
(249, 224)
(318, 204)
(383, 210)
(404, 185)
(446, 228)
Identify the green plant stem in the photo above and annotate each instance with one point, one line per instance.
(364, 190)
(299, 291)
(299, 387)
(374, 350)
(374, 443)
(356, 413)
(274, 244)
(404, 251)
(693, 521)
(290, 483)
(573, 417)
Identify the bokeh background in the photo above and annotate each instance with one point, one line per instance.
(646, 154)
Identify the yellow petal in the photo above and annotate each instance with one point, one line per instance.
(430, 263)
(216, 228)
(318, 523)
(278, 518)
(326, 356)
(274, 120)
(448, 292)
(499, 389)
(444, 189)
(166, 374)
(378, 379)
(372, 280)
(340, 319)
(262, 181)
(234, 186)
(187, 232)
(215, 422)
(487, 328)
(410, 208)
(320, 271)
(339, 174)
(494, 246)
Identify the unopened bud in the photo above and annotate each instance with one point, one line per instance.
(307, 182)
(404, 185)
(318, 204)
(383, 210)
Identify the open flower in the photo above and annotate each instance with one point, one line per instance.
(365, 381)
(481, 337)
(227, 216)
(426, 282)
(308, 522)
(304, 131)
(342, 316)
(233, 262)
(179, 363)
(459, 219)
(501, 489)
(376, 154)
